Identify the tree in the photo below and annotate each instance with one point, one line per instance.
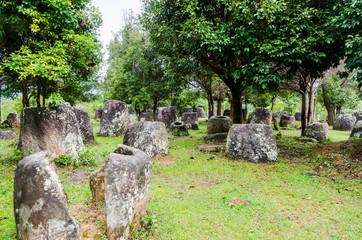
(47, 44)
(232, 38)
(137, 73)
(338, 93)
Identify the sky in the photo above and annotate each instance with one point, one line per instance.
(112, 11)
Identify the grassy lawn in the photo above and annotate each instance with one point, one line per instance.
(313, 192)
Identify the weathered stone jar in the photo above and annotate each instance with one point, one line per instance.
(167, 115)
(52, 128)
(261, 116)
(150, 137)
(115, 119)
(317, 130)
(126, 177)
(287, 121)
(218, 124)
(40, 205)
(344, 122)
(191, 120)
(252, 142)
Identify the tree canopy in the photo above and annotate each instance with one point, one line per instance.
(48, 46)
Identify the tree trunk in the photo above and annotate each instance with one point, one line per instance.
(1, 116)
(219, 107)
(310, 105)
(327, 104)
(38, 93)
(210, 102)
(245, 113)
(24, 89)
(304, 111)
(154, 108)
(272, 102)
(236, 104)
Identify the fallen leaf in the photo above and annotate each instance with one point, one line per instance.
(238, 201)
(228, 191)
(191, 186)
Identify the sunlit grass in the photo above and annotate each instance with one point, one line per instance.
(190, 195)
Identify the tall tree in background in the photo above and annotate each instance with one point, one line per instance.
(137, 73)
(232, 38)
(48, 46)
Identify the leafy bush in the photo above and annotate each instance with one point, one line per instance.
(148, 228)
(63, 160)
(85, 158)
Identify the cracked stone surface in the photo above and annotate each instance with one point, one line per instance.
(52, 128)
(115, 119)
(40, 205)
(150, 137)
(252, 142)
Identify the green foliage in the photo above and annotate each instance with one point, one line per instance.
(63, 160)
(57, 46)
(55, 99)
(341, 93)
(148, 228)
(85, 158)
(137, 73)
(178, 133)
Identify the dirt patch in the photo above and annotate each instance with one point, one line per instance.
(91, 219)
(327, 160)
(166, 161)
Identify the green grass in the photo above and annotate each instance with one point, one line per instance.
(306, 195)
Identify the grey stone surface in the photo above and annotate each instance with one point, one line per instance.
(146, 116)
(187, 109)
(317, 130)
(85, 125)
(307, 140)
(96, 183)
(287, 121)
(261, 116)
(115, 119)
(13, 120)
(167, 115)
(357, 130)
(278, 115)
(98, 113)
(252, 142)
(212, 148)
(298, 116)
(215, 137)
(200, 112)
(52, 128)
(150, 137)
(40, 205)
(179, 126)
(132, 115)
(191, 120)
(344, 122)
(7, 135)
(127, 178)
(218, 124)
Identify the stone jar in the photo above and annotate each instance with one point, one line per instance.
(218, 124)
(252, 142)
(40, 205)
(261, 116)
(150, 137)
(115, 119)
(287, 121)
(127, 181)
(317, 130)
